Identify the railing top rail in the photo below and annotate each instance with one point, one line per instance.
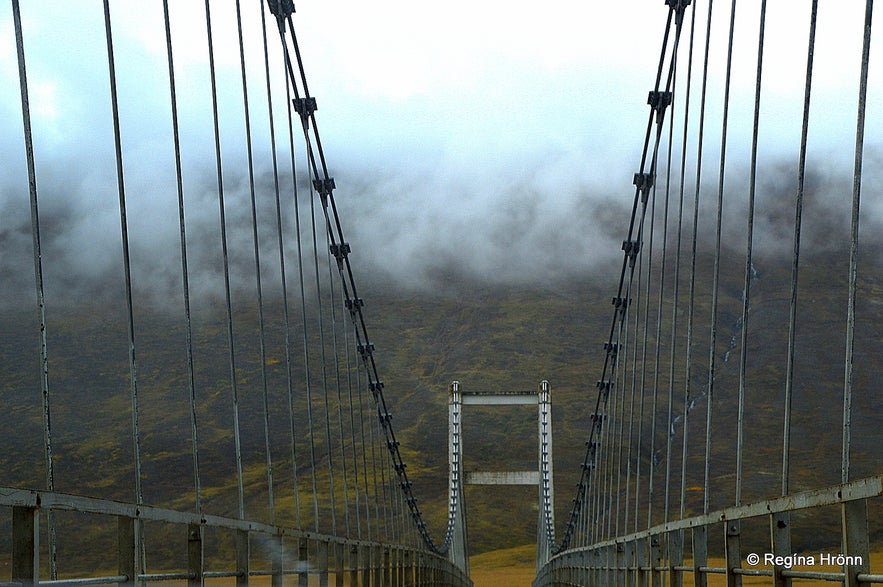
(54, 501)
(833, 495)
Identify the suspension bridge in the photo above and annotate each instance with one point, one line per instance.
(724, 375)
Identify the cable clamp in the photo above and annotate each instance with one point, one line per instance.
(324, 187)
(643, 181)
(354, 305)
(304, 106)
(281, 8)
(621, 303)
(679, 6)
(659, 101)
(340, 251)
(631, 248)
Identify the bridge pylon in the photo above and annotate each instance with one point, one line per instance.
(542, 477)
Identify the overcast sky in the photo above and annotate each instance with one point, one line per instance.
(500, 139)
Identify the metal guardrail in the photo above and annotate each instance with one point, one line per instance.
(330, 558)
(649, 556)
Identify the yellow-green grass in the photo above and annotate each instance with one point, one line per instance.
(514, 567)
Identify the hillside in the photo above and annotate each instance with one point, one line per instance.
(486, 337)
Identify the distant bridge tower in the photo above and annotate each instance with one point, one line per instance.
(542, 477)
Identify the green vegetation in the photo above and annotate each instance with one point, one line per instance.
(486, 337)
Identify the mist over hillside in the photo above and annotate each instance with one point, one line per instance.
(542, 224)
(487, 336)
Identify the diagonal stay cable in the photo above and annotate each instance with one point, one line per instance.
(324, 184)
(658, 100)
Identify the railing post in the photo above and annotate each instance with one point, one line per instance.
(322, 562)
(397, 567)
(855, 541)
(780, 533)
(584, 567)
(127, 549)
(629, 560)
(418, 569)
(733, 548)
(377, 566)
(364, 565)
(700, 555)
(303, 562)
(277, 576)
(655, 560)
(243, 566)
(640, 562)
(194, 555)
(339, 564)
(675, 557)
(354, 566)
(386, 570)
(25, 546)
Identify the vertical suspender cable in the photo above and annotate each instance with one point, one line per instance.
(671, 371)
(693, 252)
(853, 243)
(620, 423)
(634, 446)
(257, 262)
(795, 259)
(749, 266)
(383, 493)
(185, 280)
(286, 319)
(631, 249)
(715, 285)
(229, 306)
(641, 393)
(364, 443)
(303, 307)
(325, 185)
(338, 383)
(38, 278)
(681, 190)
(651, 469)
(320, 310)
(352, 413)
(127, 268)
